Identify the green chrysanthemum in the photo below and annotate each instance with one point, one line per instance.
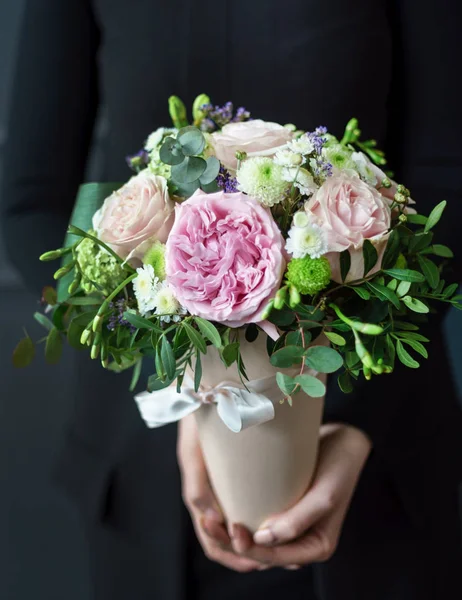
(155, 257)
(309, 275)
(98, 266)
(339, 156)
(263, 179)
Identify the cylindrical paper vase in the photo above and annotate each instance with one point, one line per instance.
(267, 468)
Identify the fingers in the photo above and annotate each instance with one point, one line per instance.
(294, 522)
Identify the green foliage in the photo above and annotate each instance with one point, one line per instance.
(370, 256)
(53, 347)
(24, 353)
(345, 264)
(323, 359)
(406, 275)
(435, 215)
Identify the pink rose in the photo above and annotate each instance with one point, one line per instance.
(138, 214)
(257, 138)
(350, 211)
(224, 257)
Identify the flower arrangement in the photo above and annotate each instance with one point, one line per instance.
(233, 228)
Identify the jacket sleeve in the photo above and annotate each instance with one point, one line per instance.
(49, 126)
(425, 129)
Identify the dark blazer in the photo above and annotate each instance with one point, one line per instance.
(391, 63)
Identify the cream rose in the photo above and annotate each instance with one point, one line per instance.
(350, 211)
(257, 138)
(135, 216)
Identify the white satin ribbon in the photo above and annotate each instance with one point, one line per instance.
(237, 408)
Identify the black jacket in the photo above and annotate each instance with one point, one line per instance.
(393, 64)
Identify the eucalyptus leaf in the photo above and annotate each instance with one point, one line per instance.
(44, 321)
(286, 384)
(282, 317)
(210, 188)
(435, 215)
(190, 170)
(53, 347)
(345, 382)
(211, 171)
(406, 275)
(415, 305)
(171, 152)
(311, 385)
(251, 332)
(405, 357)
(335, 338)
(287, 356)
(294, 338)
(192, 140)
(74, 333)
(24, 353)
(370, 256)
(323, 359)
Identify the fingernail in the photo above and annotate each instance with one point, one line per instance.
(264, 537)
(238, 544)
(211, 513)
(292, 567)
(264, 567)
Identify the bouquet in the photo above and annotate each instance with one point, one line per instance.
(239, 239)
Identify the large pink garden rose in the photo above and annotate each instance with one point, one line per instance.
(350, 211)
(135, 216)
(257, 138)
(224, 257)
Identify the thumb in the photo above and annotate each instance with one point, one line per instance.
(293, 523)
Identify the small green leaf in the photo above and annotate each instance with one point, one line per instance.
(230, 353)
(390, 349)
(287, 356)
(197, 372)
(211, 171)
(415, 305)
(192, 140)
(74, 333)
(167, 357)
(345, 382)
(413, 336)
(420, 241)
(286, 384)
(335, 338)
(405, 357)
(384, 293)
(323, 359)
(403, 288)
(294, 338)
(430, 270)
(404, 326)
(196, 339)
(190, 170)
(209, 331)
(49, 295)
(171, 152)
(136, 375)
(439, 250)
(311, 385)
(450, 290)
(370, 256)
(406, 275)
(160, 370)
(392, 285)
(282, 317)
(251, 333)
(392, 250)
(435, 215)
(58, 316)
(155, 383)
(44, 321)
(362, 292)
(140, 322)
(345, 264)
(53, 347)
(84, 301)
(415, 345)
(24, 353)
(417, 219)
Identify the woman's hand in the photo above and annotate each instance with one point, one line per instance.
(201, 502)
(310, 530)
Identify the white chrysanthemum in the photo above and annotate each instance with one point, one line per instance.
(287, 158)
(262, 179)
(145, 286)
(306, 241)
(157, 136)
(303, 145)
(302, 179)
(166, 304)
(363, 167)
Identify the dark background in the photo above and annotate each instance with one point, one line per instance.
(42, 550)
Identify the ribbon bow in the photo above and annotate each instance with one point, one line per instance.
(238, 408)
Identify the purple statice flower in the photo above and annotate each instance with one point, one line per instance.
(138, 161)
(117, 317)
(217, 117)
(226, 181)
(321, 130)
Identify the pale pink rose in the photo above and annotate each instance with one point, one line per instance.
(257, 138)
(224, 257)
(136, 215)
(350, 211)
